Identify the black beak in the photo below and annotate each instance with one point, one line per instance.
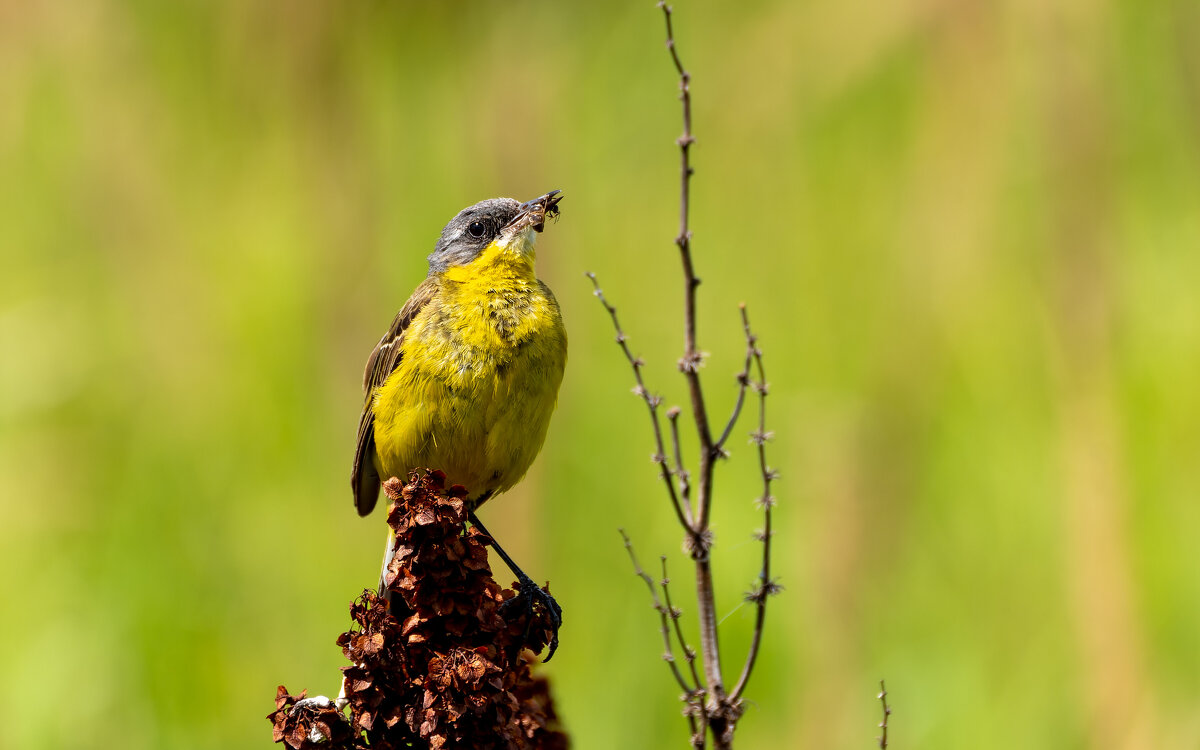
(535, 212)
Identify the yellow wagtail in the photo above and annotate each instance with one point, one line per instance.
(467, 375)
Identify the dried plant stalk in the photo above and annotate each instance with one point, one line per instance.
(447, 664)
(713, 711)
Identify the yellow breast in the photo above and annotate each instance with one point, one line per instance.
(478, 377)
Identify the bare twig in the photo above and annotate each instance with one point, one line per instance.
(887, 711)
(743, 379)
(685, 487)
(700, 737)
(690, 363)
(766, 587)
(663, 613)
(689, 653)
(652, 403)
(715, 711)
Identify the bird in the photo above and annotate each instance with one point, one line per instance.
(467, 376)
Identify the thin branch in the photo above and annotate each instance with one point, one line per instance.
(743, 379)
(689, 653)
(707, 612)
(690, 363)
(684, 513)
(887, 711)
(685, 487)
(699, 536)
(710, 709)
(766, 587)
(669, 653)
(700, 737)
(696, 730)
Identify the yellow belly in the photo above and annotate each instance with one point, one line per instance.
(476, 385)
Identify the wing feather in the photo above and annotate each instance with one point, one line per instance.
(384, 359)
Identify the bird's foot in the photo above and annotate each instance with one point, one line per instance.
(318, 702)
(531, 595)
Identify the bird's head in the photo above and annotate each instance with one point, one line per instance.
(499, 224)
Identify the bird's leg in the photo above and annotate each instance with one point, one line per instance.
(388, 553)
(529, 591)
(320, 701)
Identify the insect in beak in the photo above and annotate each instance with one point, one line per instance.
(534, 213)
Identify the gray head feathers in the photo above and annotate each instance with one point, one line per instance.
(471, 231)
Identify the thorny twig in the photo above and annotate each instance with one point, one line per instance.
(685, 487)
(692, 692)
(699, 536)
(717, 710)
(766, 587)
(692, 358)
(663, 612)
(689, 653)
(652, 403)
(743, 379)
(887, 711)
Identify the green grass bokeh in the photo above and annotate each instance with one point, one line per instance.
(968, 236)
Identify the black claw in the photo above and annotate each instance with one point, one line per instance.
(530, 594)
(527, 591)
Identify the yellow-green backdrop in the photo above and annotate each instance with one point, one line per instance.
(968, 234)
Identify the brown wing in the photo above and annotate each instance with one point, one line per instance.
(383, 360)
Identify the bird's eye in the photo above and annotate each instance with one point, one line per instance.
(477, 228)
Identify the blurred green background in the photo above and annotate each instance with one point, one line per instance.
(968, 235)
